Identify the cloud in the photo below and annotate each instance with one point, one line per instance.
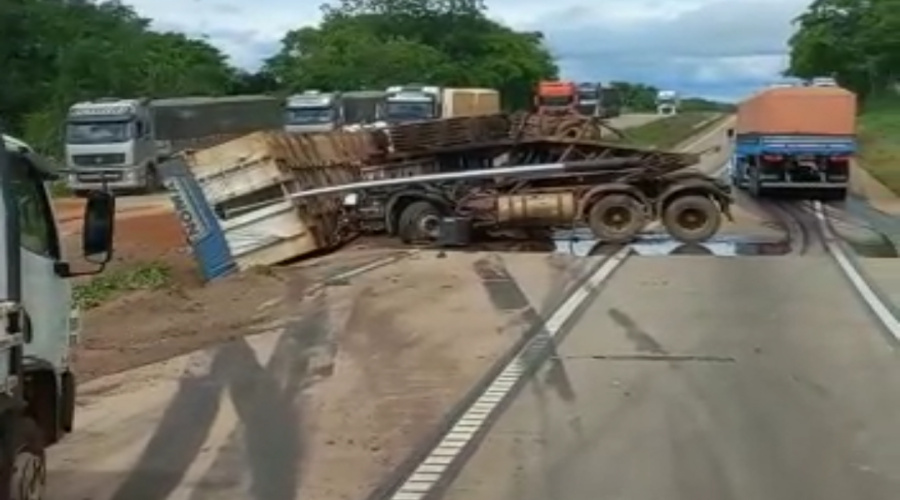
(721, 48)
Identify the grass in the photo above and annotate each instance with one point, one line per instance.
(669, 132)
(111, 284)
(879, 139)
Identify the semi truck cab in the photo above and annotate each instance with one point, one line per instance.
(37, 384)
(409, 103)
(556, 97)
(313, 111)
(110, 141)
(667, 102)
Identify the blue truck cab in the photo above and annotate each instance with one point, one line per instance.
(763, 164)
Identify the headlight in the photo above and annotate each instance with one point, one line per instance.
(351, 200)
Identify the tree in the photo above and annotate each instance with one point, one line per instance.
(56, 52)
(855, 41)
(377, 43)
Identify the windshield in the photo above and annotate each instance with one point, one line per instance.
(309, 116)
(556, 100)
(98, 133)
(400, 110)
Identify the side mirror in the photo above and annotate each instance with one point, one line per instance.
(730, 133)
(99, 221)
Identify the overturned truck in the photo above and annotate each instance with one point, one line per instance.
(447, 180)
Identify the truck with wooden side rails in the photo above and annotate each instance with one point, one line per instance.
(415, 102)
(795, 140)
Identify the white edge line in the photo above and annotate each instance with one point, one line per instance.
(868, 294)
(433, 468)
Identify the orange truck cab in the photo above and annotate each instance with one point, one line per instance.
(556, 97)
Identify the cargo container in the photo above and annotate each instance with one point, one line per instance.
(795, 140)
(470, 102)
(234, 201)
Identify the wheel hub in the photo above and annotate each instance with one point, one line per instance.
(29, 477)
(691, 219)
(430, 225)
(617, 218)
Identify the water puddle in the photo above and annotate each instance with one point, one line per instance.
(580, 242)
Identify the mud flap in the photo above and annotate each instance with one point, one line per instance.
(67, 392)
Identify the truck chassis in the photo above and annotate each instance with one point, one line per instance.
(537, 172)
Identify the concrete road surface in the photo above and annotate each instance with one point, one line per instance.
(705, 378)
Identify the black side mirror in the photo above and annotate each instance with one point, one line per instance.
(730, 133)
(99, 222)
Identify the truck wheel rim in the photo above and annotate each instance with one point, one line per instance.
(28, 476)
(429, 225)
(692, 219)
(617, 218)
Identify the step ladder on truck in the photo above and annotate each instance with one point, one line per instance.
(41, 327)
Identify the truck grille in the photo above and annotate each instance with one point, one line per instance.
(98, 159)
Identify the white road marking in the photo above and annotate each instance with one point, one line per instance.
(460, 435)
(859, 283)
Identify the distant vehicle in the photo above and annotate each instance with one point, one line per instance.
(121, 142)
(556, 97)
(595, 99)
(799, 139)
(667, 102)
(414, 102)
(363, 107)
(823, 82)
(313, 111)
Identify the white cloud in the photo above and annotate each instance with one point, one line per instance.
(710, 47)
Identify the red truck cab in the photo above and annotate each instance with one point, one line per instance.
(556, 97)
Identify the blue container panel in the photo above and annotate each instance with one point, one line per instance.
(201, 227)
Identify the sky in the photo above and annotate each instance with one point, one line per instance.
(721, 49)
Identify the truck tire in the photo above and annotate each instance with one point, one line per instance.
(692, 219)
(419, 221)
(23, 466)
(616, 218)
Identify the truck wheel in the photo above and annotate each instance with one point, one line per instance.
(419, 221)
(692, 219)
(616, 218)
(24, 468)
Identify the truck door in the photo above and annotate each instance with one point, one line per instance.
(46, 296)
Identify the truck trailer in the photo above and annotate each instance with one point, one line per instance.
(795, 140)
(410, 103)
(41, 324)
(120, 143)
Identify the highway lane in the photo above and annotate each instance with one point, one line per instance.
(693, 377)
(704, 377)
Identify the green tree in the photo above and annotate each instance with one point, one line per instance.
(377, 43)
(57, 52)
(855, 41)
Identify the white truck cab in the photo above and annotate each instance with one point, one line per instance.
(37, 384)
(111, 140)
(667, 102)
(409, 103)
(313, 111)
